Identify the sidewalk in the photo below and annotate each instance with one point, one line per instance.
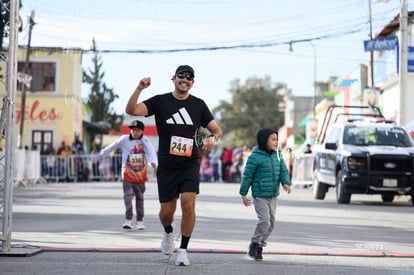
(77, 226)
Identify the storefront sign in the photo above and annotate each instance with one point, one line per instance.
(381, 44)
(37, 114)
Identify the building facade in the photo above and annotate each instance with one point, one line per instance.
(394, 100)
(53, 111)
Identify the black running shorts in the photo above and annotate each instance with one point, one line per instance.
(174, 181)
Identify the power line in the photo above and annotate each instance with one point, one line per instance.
(216, 48)
(295, 25)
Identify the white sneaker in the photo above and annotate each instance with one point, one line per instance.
(140, 225)
(182, 257)
(127, 224)
(167, 243)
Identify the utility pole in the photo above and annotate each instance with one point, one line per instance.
(403, 62)
(371, 55)
(314, 80)
(25, 70)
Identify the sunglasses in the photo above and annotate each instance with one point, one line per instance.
(182, 76)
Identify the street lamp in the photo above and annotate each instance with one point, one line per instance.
(314, 73)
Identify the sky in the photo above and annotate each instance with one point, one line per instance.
(223, 40)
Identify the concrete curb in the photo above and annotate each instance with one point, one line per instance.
(31, 251)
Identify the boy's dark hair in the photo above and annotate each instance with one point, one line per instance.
(262, 136)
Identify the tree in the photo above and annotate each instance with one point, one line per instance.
(254, 105)
(100, 97)
(5, 20)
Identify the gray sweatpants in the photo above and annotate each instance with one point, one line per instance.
(132, 190)
(266, 211)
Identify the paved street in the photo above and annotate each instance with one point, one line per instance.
(80, 224)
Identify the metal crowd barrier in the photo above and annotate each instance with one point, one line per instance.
(80, 168)
(26, 168)
(302, 173)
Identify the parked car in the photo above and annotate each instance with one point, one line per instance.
(363, 154)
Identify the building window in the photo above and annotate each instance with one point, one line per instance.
(43, 76)
(42, 141)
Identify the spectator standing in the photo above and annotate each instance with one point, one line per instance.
(308, 149)
(206, 169)
(49, 150)
(51, 162)
(67, 152)
(95, 156)
(77, 146)
(235, 168)
(61, 148)
(226, 162)
(214, 157)
(411, 133)
(105, 168)
(247, 150)
(67, 167)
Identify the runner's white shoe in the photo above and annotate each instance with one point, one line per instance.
(182, 257)
(167, 244)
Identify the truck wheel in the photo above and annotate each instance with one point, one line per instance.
(412, 195)
(342, 196)
(386, 197)
(319, 188)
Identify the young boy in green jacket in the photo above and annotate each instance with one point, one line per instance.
(265, 171)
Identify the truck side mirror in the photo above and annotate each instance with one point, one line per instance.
(330, 145)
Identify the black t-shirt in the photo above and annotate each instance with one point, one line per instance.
(178, 123)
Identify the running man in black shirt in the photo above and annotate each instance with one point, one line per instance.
(178, 116)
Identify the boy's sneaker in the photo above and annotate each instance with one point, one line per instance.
(253, 250)
(167, 243)
(182, 257)
(259, 254)
(140, 225)
(127, 224)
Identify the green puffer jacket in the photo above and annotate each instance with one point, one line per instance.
(264, 173)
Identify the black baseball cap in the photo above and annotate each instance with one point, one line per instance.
(136, 124)
(185, 68)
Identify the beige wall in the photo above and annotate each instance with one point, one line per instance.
(60, 111)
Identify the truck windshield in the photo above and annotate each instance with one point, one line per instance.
(376, 136)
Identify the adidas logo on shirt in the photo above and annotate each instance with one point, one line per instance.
(180, 117)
